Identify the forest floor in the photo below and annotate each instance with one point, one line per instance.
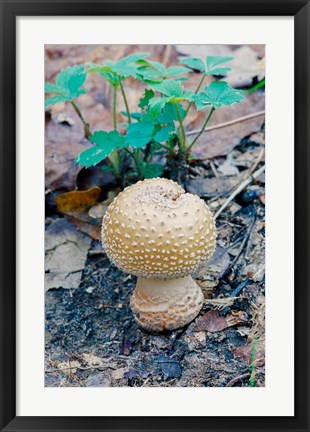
(91, 338)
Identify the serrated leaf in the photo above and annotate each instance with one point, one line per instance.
(201, 102)
(51, 88)
(144, 101)
(169, 88)
(152, 170)
(105, 143)
(54, 100)
(169, 113)
(218, 94)
(164, 134)
(126, 66)
(177, 70)
(131, 58)
(212, 61)
(208, 68)
(156, 104)
(139, 134)
(111, 78)
(70, 80)
(194, 63)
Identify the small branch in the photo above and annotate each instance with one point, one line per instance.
(228, 123)
(237, 378)
(212, 166)
(250, 177)
(86, 126)
(78, 367)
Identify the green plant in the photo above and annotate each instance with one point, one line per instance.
(158, 127)
(253, 362)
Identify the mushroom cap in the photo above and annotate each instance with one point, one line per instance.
(153, 229)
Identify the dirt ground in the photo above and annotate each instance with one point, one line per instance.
(91, 338)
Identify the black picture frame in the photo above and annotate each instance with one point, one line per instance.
(10, 9)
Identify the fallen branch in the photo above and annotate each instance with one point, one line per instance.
(237, 378)
(240, 188)
(228, 123)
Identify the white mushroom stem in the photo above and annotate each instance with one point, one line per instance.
(166, 304)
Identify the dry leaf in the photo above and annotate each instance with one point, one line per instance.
(245, 67)
(65, 255)
(77, 200)
(213, 322)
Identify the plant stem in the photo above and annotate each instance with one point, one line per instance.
(182, 143)
(202, 129)
(253, 361)
(135, 156)
(256, 86)
(86, 126)
(125, 101)
(114, 107)
(196, 91)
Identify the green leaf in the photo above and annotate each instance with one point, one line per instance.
(131, 58)
(164, 134)
(177, 70)
(210, 67)
(156, 104)
(144, 101)
(169, 88)
(105, 143)
(213, 61)
(194, 63)
(70, 80)
(51, 88)
(54, 100)
(139, 134)
(169, 113)
(157, 66)
(110, 77)
(201, 101)
(218, 94)
(151, 170)
(127, 65)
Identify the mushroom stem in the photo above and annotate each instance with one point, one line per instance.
(166, 304)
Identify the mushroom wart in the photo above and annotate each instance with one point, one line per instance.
(156, 231)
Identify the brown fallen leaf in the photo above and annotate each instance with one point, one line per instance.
(77, 200)
(212, 187)
(65, 255)
(213, 322)
(244, 353)
(245, 67)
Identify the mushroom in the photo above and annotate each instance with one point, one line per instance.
(159, 233)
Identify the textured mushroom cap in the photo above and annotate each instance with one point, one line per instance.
(153, 229)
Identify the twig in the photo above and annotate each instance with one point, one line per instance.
(242, 246)
(228, 123)
(80, 368)
(250, 177)
(212, 166)
(237, 378)
(167, 54)
(258, 160)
